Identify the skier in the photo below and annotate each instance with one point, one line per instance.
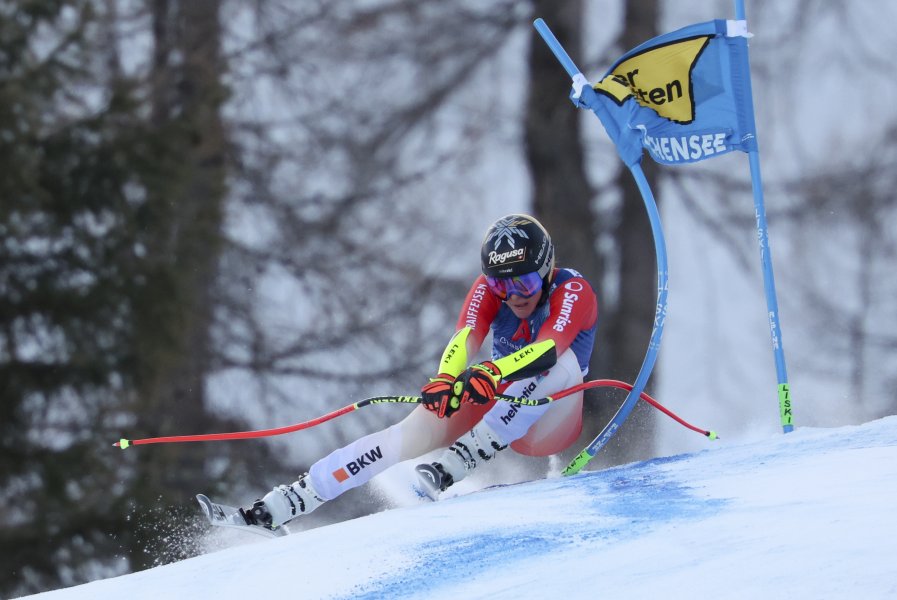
(543, 323)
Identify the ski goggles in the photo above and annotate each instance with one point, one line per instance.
(525, 286)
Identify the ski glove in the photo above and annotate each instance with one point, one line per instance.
(437, 396)
(478, 383)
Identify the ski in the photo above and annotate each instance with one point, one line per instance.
(221, 515)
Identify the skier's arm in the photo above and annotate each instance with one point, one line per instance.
(477, 313)
(572, 308)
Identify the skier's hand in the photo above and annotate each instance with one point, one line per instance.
(478, 383)
(437, 396)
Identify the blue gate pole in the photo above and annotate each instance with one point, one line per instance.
(769, 284)
(660, 315)
(662, 270)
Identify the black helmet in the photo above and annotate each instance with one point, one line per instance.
(516, 245)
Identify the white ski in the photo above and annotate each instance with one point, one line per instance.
(221, 515)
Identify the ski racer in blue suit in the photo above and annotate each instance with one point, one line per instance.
(542, 319)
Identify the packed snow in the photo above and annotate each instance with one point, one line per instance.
(809, 514)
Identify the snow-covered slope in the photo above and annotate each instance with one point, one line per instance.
(810, 514)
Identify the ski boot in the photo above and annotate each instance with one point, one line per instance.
(459, 460)
(283, 504)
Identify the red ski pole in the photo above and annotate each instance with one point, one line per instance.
(245, 435)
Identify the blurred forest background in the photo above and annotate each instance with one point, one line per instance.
(217, 215)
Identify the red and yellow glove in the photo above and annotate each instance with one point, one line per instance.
(437, 396)
(478, 384)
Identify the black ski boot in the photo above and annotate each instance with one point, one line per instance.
(433, 478)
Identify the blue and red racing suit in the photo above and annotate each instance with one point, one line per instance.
(564, 326)
(560, 334)
(569, 317)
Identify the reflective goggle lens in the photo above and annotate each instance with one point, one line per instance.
(525, 286)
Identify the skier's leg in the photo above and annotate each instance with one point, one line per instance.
(505, 423)
(547, 429)
(358, 462)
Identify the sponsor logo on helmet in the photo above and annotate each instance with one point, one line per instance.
(542, 250)
(507, 230)
(500, 258)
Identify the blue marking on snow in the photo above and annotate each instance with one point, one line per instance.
(624, 502)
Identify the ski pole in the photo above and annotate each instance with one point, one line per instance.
(245, 435)
(626, 386)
